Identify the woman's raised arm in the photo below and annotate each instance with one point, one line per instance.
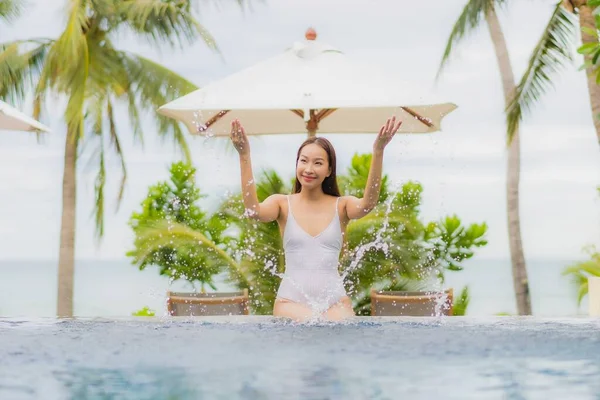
(358, 208)
(269, 209)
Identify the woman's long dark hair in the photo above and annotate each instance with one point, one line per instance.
(329, 185)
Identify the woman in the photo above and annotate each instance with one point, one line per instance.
(312, 222)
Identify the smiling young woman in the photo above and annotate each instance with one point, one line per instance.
(312, 222)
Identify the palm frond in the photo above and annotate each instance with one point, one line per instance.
(270, 183)
(71, 45)
(163, 233)
(99, 185)
(243, 4)
(10, 9)
(45, 79)
(76, 88)
(471, 17)
(98, 109)
(21, 63)
(148, 77)
(552, 51)
(106, 71)
(135, 120)
(154, 85)
(109, 73)
(10, 59)
(164, 21)
(353, 183)
(94, 119)
(116, 142)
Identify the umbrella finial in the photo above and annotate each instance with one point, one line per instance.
(310, 34)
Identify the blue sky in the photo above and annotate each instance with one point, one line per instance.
(462, 168)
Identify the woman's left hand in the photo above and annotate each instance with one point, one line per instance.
(386, 133)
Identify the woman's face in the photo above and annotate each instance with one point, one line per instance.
(313, 166)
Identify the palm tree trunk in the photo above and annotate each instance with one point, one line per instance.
(586, 19)
(66, 258)
(519, 269)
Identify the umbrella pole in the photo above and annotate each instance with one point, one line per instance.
(312, 124)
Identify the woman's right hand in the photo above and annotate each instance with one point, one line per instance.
(239, 138)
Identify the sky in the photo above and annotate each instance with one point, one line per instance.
(462, 168)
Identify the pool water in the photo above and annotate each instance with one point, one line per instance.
(262, 358)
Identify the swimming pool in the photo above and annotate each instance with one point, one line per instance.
(254, 357)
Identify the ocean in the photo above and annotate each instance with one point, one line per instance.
(105, 288)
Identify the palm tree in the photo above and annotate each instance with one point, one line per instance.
(472, 15)
(85, 68)
(551, 52)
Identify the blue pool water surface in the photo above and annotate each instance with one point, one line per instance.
(263, 358)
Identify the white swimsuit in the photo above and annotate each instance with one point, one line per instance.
(311, 264)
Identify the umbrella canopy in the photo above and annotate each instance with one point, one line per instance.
(12, 119)
(312, 87)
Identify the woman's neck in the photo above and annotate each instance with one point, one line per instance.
(311, 195)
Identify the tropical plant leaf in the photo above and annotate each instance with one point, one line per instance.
(461, 303)
(593, 3)
(353, 183)
(581, 271)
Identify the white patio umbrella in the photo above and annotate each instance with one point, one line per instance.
(12, 119)
(312, 87)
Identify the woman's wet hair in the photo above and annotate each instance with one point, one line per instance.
(330, 185)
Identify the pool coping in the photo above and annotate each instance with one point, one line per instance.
(261, 319)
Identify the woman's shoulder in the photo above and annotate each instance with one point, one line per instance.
(277, 197)
(333, 199)
(345, 199)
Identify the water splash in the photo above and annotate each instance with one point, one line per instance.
(427, 271)
(201, 127)
(379, 242)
